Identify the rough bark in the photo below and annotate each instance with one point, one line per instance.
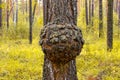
(110, 25)
(86, 11)
(0, 14)
(59, 14)
(30, 21)
(100, 19)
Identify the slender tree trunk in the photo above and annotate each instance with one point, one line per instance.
(26, 9)
(118, 19)
(110, 25)
(13, 9)
(90, 12)
(63, 11)
(7, 14)
(100, 19)
(115, 5)
(0, 14)
(30, 21)
(86, 11)
(23, 7)
(16, 12)
(35, 5)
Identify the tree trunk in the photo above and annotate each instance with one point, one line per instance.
(34, 9)
(115, 5)
(100, 19)
(0, 14)
(26, 9)
(59, 12)
(89, 12)
(13, 10)
(86, 11)
(110, 25)
(16, 12)
(23, 7)
(7, 14)
(118, 19)
(30, 21)
(92, 12)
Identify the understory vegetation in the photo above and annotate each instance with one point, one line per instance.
(21, 61)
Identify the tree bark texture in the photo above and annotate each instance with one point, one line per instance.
(16, 11)
(7, 14)
(100, 19)
(34, 9)
(60, 16)
(86, 11)
(0, 14)
(26, 8)
(110, 25)
(118, 19)
(30, 21)
(90, 12)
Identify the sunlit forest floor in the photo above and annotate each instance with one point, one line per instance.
(21, 61)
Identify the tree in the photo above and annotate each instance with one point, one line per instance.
(89, 12)
(100, 19)
(0, 13)
(115, 5)
(118, 19)
(30, 21)
(8, 13)
(15, 12)
(26, 9)
(86, 11)
(61, 49)
(35, 5)
(110, 25)
(92, 11)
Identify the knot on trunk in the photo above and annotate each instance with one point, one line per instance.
(61, 43)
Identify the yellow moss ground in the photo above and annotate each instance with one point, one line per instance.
(21, 61)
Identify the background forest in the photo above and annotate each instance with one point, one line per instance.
(21, 57)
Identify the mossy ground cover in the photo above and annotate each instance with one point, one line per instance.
(22, 61)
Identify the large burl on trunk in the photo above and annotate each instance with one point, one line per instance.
(61, 39)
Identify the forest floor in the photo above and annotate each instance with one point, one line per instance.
(22, 61)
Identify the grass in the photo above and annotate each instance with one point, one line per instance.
(21, 61)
